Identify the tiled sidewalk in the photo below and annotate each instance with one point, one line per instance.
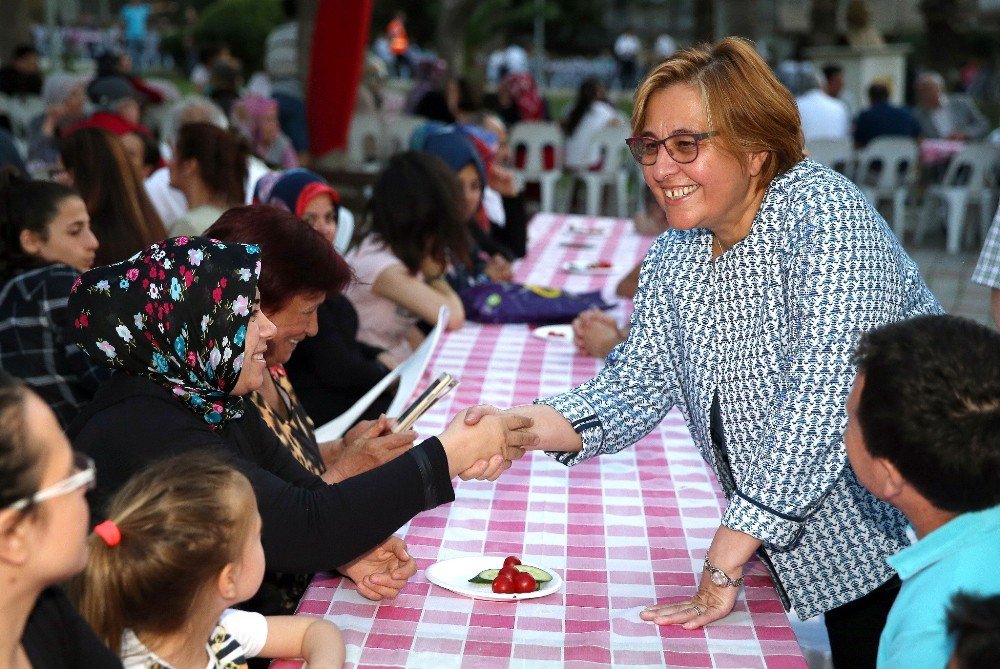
(948, 278)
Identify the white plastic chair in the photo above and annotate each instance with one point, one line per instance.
(398, 131)
(534, 137)
(408, 373)
(887, 170)
(22, 111)
(610, 142)
(837, 154)
(345, 230)
(365, 142)
(969, 180)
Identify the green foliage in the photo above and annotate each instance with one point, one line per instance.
(242, 25)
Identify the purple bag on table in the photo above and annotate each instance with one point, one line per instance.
(491, 302)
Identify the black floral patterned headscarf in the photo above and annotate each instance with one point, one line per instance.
(176, 313)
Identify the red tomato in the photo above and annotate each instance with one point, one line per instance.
(509, 571)
(511, 561)
(503, 585)
(524, 582)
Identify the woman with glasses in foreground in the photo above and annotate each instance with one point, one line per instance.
(43, 535)
(747, 311)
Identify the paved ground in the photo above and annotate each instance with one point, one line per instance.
(948, 278)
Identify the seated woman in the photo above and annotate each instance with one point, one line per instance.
(490, 259)
(298, 273)
(590, 113)
(43, 538)
(181, 323)
(45, 242)
(121, 214)
(256, 117)
(209, 166)
(332, 369)
(400, 255)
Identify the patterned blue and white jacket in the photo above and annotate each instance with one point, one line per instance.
(770, 325)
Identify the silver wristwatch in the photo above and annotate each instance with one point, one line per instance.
(719, 577)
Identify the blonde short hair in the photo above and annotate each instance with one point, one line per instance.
(743, 100)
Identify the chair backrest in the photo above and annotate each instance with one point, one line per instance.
(21, 111)
(972, 167)
(533, 138)
(365, 139)
(412, 369)
(888, 162)
(398, 132)
(408, 373)
(609, 143)
(836, 154)
(345, 230)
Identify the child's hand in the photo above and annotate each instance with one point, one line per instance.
(382, 572)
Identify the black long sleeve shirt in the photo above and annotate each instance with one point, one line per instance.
(309, 525)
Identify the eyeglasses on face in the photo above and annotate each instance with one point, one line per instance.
(682, 147)
(83, 475)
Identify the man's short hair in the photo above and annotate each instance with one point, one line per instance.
(930, 405)
(975, 624)
(878, 92)
(830, 71)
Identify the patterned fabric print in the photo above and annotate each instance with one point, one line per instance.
(988, 268)
(770, 325)
(225, 652)
(297, 433)
(176, 313)
(34, 327)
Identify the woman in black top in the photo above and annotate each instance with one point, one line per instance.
(181, 323)
(43, 532)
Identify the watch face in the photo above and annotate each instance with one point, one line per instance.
(719, 578)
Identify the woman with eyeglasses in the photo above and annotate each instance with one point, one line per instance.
(746, 316)
(43, 535)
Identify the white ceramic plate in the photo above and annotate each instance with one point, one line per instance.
(454, 575)
(559, 333)
(584, 229)
(587, 267)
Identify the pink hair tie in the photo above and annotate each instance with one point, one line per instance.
(109, 532)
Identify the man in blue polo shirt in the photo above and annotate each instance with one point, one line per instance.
(923, 434)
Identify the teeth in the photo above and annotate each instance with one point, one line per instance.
(675, 193)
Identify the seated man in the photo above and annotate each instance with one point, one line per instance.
(22, 74)
(883, 118)
(923, 434)
(947, 116)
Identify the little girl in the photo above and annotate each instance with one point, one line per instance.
(182, 546)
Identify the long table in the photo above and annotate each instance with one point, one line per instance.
(624, 530)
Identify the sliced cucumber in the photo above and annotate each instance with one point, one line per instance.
(486, 576)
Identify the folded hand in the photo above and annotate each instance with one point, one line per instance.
(383, 571)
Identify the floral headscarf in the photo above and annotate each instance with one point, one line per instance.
(176, 313)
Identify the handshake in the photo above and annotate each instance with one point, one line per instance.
(481, 442)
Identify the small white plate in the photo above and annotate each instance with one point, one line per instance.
(587, 267)
(454, 575)
(584, 229)
(558, 333)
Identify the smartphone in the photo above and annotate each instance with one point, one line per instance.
(438, 389)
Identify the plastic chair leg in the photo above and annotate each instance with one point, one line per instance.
(956, 220)
(899, 213)
(594, 191)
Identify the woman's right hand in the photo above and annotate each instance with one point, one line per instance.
(503, 436)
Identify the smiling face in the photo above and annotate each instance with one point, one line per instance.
(260, 330)
(714, 191)
(68, 239)
(294, 322)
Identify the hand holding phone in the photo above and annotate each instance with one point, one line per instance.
(438, 389)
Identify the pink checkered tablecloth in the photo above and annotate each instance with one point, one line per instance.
(624, 530)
